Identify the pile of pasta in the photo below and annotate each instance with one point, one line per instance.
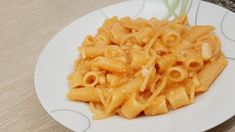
(137, 67)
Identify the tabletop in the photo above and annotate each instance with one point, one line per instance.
(25, 28)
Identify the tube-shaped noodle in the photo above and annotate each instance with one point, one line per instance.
(166, 61)
(158, 90)
(146, 79)
(110, 65)
(206, 51)
(113, 51)
(178, 28)
(177, 73)
(182, 46)
(192, 89)
(196, 32)
(130, 38)
(102, 39)
(118, 32)
(152, 59)
(193, 61)
(75, 79)
(209, 73)
(132, 107)
(120, 94)
(138, 59)
(90, 79)
(127, 22)
(158, 106)
(171, 38)
(144, 35)
(149, 46)
(86, 94)
(109, 23)
(116, 80)
(89, 41)
(160, 48)
(102, 79)
(91, 52)
(139, 23)
(178, 97)
(213, 42)
(82, 66)
(154, 23)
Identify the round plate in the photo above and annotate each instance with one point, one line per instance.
(56, 61)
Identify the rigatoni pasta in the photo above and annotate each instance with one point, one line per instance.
(157, 107)
(177, 73)
(90, 79)
(132, 107)
(86, 94)
(178, 97)
(145, 67)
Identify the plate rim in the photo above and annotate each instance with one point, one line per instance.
(36, 87)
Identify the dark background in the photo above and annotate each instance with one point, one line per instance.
(229, 4)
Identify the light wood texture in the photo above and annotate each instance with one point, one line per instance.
(25, 28)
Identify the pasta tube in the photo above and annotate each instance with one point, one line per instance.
(89, 41)
(132, 107)
(196, 32)
(75, 79)
(121, 94)
(102, 39)
(86, 94)
(109, 23)
(160, 49)
(171, 38)
(115, 80)
(178, 97)
(209, 73)
(177, 73)
(91, 52)
(137, 59)
(181, 47)
(193, 61)
(178, 28)
(110, 65)
(158, 106)
(118, 32)
(166, 61)
(90, 79)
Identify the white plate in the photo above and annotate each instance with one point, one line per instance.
(56, 60)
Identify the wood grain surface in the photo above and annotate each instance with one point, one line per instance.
(25, 28)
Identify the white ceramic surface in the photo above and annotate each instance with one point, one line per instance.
(56, 60)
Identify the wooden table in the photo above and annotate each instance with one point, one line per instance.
(25, 28)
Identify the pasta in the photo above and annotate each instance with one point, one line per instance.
(171, 38)
(178, 97)
(193, 61)
(209, 73)
(132, 107)
(196, 32)
(177, 73)
(90, 52)
(111, 65)
(145, 67)
(84, 94)
(158, 106)
(90, 79)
